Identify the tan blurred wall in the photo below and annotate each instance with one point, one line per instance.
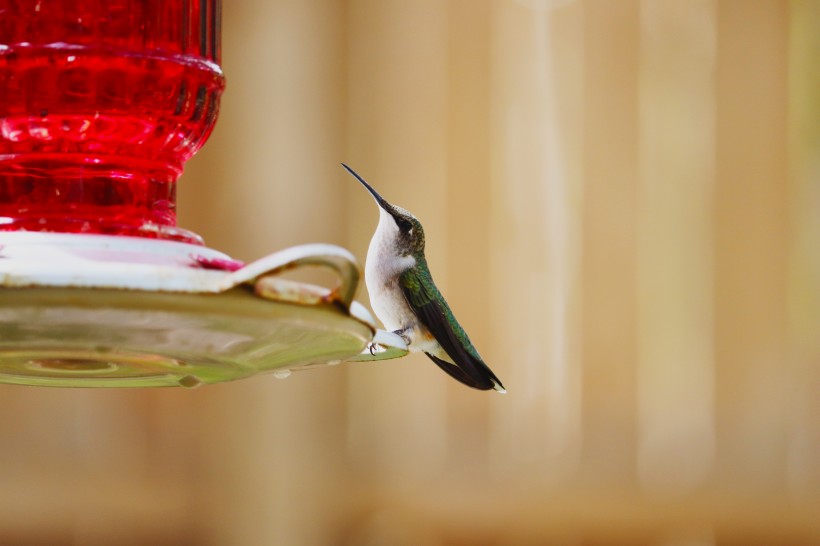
(621, 205)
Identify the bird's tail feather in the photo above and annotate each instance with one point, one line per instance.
(478, 379)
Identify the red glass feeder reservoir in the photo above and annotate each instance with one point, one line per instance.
(101, 104)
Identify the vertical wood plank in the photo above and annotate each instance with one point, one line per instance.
(675, 244)
(467, 286)
(803, 471)
(609, 334)
(270, 179)
(535, 238)
(750, 244)
(397, 140)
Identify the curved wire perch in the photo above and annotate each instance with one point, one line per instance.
(338, 260)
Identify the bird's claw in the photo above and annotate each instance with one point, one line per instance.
(372, 348)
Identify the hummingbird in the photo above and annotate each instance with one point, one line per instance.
(405, 298)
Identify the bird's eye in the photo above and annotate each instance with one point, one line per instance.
(404, 225)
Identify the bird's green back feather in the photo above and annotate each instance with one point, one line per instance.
(421, 291)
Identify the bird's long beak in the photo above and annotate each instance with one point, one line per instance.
(382, 202)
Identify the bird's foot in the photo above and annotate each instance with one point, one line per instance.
(372, 348)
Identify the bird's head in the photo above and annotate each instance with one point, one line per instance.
(404, 229)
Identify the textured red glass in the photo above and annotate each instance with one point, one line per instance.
(101, 104)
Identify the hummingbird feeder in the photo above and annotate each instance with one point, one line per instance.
(101, 104)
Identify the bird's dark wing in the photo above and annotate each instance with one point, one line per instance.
(424, 298)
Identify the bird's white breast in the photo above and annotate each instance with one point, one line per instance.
(382, 271)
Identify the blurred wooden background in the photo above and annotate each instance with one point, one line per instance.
(622, 201)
